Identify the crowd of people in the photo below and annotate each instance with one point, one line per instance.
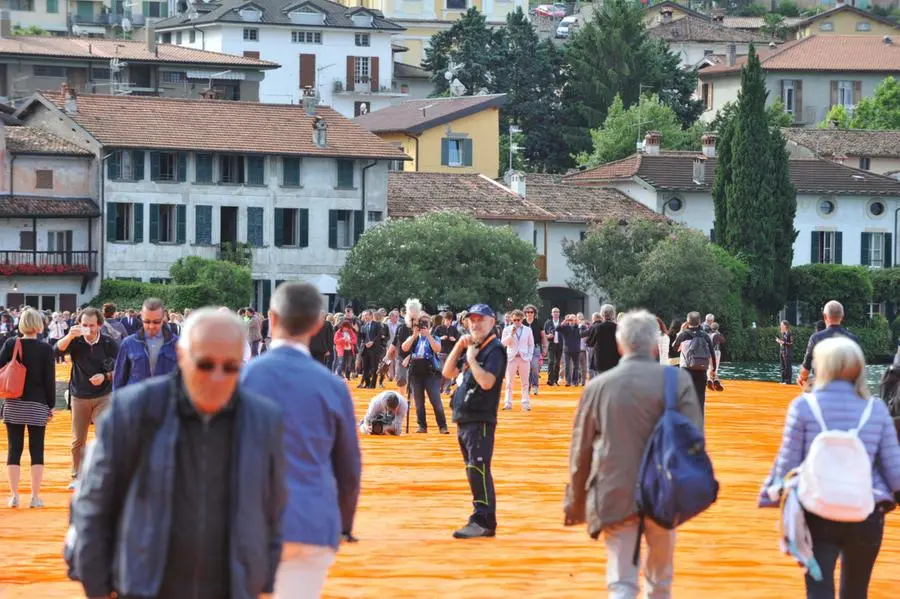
(231, 440)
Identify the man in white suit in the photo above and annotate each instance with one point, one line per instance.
(519, 343)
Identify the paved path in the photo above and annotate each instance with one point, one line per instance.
(415, 495)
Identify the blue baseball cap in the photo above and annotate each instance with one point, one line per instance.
(483, 310)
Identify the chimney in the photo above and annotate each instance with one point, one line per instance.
(718, 16)
(651, 143)
(700, 170)
(517, 183)
(731, 55)
(708, 145)
(320, 132)
(5, 25)
(70, 101)
(309, 101)
(666, 15)
(151, 39)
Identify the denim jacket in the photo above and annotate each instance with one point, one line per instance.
(122, 510)
(133, 360)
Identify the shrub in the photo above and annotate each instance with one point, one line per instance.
(816, 284)
(131, 294)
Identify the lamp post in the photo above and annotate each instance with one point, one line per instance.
(513, 129)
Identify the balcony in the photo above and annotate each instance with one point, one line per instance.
(540, 262)
(31, 263)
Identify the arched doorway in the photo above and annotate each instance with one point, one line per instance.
(569, 301)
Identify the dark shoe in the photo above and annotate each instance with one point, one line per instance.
(422, 430)
(718, 385)
(709, 385)
(445, 431)
(473, 530)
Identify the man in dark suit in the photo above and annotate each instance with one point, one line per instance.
(602, 338)
(320, 346)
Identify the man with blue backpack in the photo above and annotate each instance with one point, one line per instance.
(637, 461)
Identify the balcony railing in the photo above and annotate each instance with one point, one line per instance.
(540, 262)
(30, 263)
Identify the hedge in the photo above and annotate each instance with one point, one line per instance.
(131, 294)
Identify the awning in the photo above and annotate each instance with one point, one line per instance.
(230, 75)
(327, 285)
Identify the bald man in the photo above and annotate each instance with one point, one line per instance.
(169, 453)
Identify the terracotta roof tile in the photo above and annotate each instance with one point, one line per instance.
(575, 203)
(220, 126)
(416, 116)
(847, 8)
(47, 208)
(847, 142)
(619, 169)
(105, 49)
(414, 193)
(694, 29)
(755, 22)
(830, 53)
(32, 140)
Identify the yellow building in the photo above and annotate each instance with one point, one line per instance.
(424, 18)
(443, 135)
(845, 20)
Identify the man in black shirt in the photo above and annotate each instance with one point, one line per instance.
(320, 345)
(684, 344)
(602, 337)
(834, 316)
(93, 359)
(539, 340)
(475, 404)
(553, 347)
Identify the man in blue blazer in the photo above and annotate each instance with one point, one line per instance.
(321, 444)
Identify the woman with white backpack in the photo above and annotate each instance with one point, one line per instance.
(842, 453)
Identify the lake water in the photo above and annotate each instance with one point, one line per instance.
(761, 371)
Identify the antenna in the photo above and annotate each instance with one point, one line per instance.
(639, 144)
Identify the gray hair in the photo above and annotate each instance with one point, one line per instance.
(608, 312)
(221, 316)
(596, 316)
(840, 359)
(834, 310)
(710, 317)
(413, 310)
(638, 332)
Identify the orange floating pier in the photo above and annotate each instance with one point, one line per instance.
(415, 495)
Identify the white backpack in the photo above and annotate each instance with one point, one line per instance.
(835, 479)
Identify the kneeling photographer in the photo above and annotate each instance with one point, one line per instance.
(385, 415)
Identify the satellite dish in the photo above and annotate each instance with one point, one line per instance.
(126, 24)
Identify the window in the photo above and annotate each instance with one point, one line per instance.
(26, 240)
(166, 38)
(345, 174)
(826, 247)
(876, 208)
(306, 37)
(344, 229)
(126, 165)
(456, 4)
(21, 5)
(100, 73)
(161, 280)
(165, 223)
(203, 225)
(59, 241)
(256, 170)
(706, 95)
(44, 70)
(251, 34)
(154, 9)
(863, 26)
(375, 217)
(290, 172)
(788, 96)
(826, 26)
(178, 37)
(121, 215)
(203, 168)
(827, 207)
(192, 36)
(291, 227)
(42, 302)
(362, 39)
(289, 230)
(876, 249)
(231, 169)
(164, 166)
(361, 70)
(864, 163)
(174, 77)
(396, 165)
(456, 152)
(250, 14)
(845, 94)
(876, 309)
(43, 179)
(52, 6)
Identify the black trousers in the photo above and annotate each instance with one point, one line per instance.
(15, 435)
(857, 545)
(787, 372)
(369, 365)
(476, 442)
(699, 379)
(554, 356)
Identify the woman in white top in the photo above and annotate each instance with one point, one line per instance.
(663, 342)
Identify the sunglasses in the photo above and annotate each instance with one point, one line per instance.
(207, 365)
(517, 320)
(152, 321)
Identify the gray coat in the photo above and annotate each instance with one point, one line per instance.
(614, 421)
(122, 511)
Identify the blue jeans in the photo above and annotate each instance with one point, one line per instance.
(534, 377)
(432, 385)
(856, 543)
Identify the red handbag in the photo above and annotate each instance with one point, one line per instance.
(12, 376)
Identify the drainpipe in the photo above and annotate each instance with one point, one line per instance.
(203, 35)
(416, 139)
(101, 245)
(363, 199)
(896, 241)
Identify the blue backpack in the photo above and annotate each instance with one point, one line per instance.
(676, 480)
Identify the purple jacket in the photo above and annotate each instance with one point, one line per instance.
(841, 409)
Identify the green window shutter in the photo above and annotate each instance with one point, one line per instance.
(332, 228)
(154, 166)
(838, 248)
(154, 223)
(865, 259)
(52, 6)
(358, 222)
(138, 223)
(203, 168)
(266, 296)
(137, 160)
(163, 10)
(467, 152)
(113, 168)
(290, 172)
(256, 170)
(814, 252)
(203, 225)
(888, 250)
(146, 8)
(303, 226)
(111, 209)
(182, 165)
(181, 224)
(445, 152)
(345, 173)
(279, 227)
(255, 226)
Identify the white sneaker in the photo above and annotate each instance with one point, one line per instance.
(507, 406)
(13, 501)
(526, 407)
(36, 502)
(71, 486)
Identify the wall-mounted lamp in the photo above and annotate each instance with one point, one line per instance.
(15, 287)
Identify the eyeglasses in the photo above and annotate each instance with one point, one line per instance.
(517, 320)
(529, 311)
(152, 321)
(207, 365)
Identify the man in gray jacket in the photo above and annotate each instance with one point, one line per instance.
(614, 421)
(183, 493)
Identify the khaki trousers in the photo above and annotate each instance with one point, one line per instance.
(84, 411)
(302, 572)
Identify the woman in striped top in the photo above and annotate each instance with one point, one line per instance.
(34, 409)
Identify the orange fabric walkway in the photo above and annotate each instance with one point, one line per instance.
(415, 495)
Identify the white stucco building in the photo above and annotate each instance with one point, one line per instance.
(294, 185)
(693, 38)
(344, 55)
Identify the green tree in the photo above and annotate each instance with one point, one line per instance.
(752, 193)
(623, 127)
(32, 30)
(788, 8)
(469, 44)
(837, 117)
(231, 285)
(675, 86)
(774, 26)
(443, 258)
(881, 110)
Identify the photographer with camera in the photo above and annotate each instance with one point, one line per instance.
(475, 403)
(424, 376)
(385, 415)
